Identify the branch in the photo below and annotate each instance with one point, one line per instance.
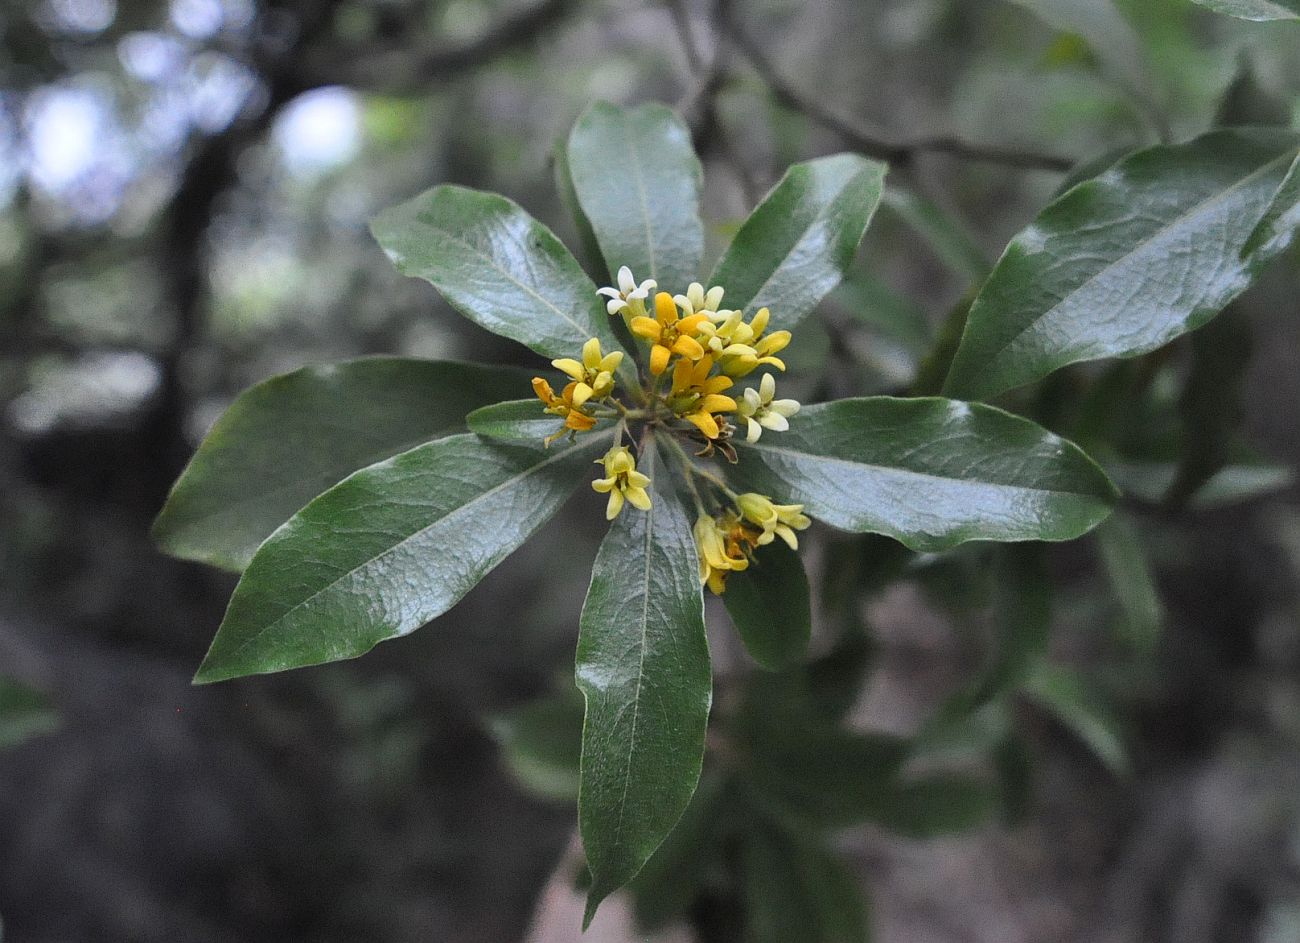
(869, 141)
(399, 72)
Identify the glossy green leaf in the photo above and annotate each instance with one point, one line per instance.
(520, 420)
(796, 889)
(931, 473)
(643, 665)
(638, 181)
(1131, 581)
(24, 714)
(287, 439)
(541, 744)
(770, 607)
(1124, 263)
(1081, 709)
(798, 243)
(388, 549)
(1258, 10)
(498, 266)
(1278, 227)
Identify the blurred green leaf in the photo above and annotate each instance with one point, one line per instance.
(938, 804)
(643, 666)
(796, 889)
(1131, 580)
(1022, 621)
(798, 243)
(770, 607)
(1255, 9)
(952, 243)
(388, 549)
(1091, 277)
(24, 714)
(931, 473)
(1105, 29)
(520, 420)
(638, 182)
(1066, 695)
(874, 304)
(663, 889)
(287, 439)
(1150, 482)
(498, 267)
(541, 744)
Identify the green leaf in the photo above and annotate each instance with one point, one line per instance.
(1102, 26)
(497, 266)
(388, 549)
(798, 243)
(643, 666)
(1259, 10)
(1131, 580)
(590, 256)
(638, 181)
(541, 744)
(520, 420)
(952, 243)
(937, 805)
(24, 714)
(287, 439)
(1278, 227)
(931, 473)
(770, 607)
(795, 889)
(1124, 263)
(671, 879)
(1074, 702)
(817, 775)
(1090, 168)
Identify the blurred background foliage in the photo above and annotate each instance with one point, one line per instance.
(184, 192)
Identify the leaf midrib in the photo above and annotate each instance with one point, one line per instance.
(392, 548)
(1197, 210)
(802, 235)
(776, 449)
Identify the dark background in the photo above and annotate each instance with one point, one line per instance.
(184, 190)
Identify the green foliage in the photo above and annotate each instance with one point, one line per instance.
(1255, 9)
(284, 441)
(770, 607)
(24, 714)
(386, 550)
(637, 180)
(359, 510)
(932, 473)
(643, 666)
(798, 243)
(1092, 277)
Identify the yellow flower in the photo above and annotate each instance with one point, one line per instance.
(629, 298)
(697, 397)
(748, 348)
(575, 418)
(698, 301)
(760, 411)
(594, 374)
(668, 334)
(777, 520)
(622, 482)
(721, 548)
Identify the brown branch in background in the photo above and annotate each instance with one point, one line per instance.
(396, 71)
(871, 142)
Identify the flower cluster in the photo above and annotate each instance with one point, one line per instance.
(726, 541)
(696, 352)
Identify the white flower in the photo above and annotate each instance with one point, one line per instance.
(698, 301)
(629, 297)
(760, 411)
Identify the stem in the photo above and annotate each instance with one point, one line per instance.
(691, 469)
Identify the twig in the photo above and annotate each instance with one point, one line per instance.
(875, 143)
